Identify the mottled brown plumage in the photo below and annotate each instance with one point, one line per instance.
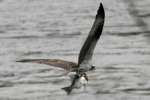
(67, 65)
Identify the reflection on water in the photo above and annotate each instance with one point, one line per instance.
(57, 29)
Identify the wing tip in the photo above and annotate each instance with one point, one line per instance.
(100, 11)
(24, 60)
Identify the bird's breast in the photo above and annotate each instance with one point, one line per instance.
(83, 81)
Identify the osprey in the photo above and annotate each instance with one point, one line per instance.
(86, 52)
(85, 55)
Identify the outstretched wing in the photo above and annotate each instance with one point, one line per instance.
(69, 66)
(86, 52)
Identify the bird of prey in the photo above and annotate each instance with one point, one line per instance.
(85, 55)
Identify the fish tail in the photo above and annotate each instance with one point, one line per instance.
(67, 89)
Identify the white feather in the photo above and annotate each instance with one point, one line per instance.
(83, 81)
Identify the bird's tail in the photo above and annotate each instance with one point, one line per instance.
(67, 89)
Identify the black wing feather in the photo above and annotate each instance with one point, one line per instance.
(95, 33)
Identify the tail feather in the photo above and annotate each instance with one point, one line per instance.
(67, 89)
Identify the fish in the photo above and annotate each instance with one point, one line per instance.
(78, 82)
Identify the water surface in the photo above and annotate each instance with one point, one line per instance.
(57, 29)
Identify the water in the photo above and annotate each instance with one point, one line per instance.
(57, 29)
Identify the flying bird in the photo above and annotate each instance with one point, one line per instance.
(86, 53)
(85, 56)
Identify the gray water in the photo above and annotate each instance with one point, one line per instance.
(57, 29)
